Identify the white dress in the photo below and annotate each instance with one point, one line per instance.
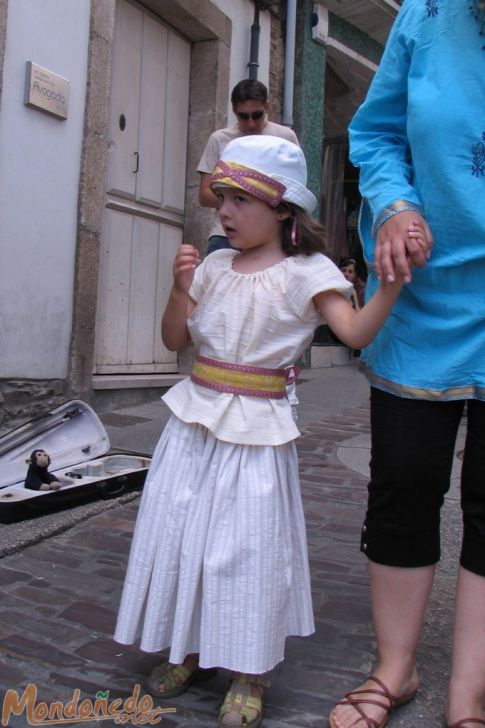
(218, 564)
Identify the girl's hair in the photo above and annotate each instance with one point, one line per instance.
(310, 234)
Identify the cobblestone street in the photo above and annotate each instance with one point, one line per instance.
(59, 597)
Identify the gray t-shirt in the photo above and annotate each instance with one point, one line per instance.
(219, 139)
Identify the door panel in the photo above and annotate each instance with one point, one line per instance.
(171, 238)
(124, 101)
(143, 306)
(144, 214)
(175, 150)
(114, 294)
(154, 249)
(138, 278)
(152, 113)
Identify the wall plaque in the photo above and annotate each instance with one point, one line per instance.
(46, 91)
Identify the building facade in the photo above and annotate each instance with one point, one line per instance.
(95, 199)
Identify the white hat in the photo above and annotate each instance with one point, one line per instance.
(268, 167)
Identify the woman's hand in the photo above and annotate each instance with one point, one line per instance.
(184, 266)
(403, 241)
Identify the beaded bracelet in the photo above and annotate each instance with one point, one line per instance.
(393, 209)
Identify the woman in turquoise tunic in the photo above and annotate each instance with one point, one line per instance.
(419, 140)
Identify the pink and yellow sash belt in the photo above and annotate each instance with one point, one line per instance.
(239, 379)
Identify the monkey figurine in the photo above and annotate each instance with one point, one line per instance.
(38, 478)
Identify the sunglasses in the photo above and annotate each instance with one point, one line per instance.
(244, 115)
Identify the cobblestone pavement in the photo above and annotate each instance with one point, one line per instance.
(59, 598)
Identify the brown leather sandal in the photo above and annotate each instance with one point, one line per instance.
(353, 698)
(461, 723)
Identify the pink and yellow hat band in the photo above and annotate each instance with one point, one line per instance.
(232, 174)
(268, 167)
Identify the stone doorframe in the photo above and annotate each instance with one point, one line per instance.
(210, 32)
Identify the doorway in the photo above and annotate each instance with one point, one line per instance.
(144, 212)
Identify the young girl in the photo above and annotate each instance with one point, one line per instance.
(218, 569)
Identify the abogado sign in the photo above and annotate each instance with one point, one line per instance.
(46, 90)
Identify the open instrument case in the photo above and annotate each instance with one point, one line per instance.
(77, 443)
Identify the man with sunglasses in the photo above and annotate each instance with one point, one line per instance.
(249, 100)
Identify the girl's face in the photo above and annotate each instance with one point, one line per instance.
(247, 221)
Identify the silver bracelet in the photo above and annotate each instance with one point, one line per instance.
(393, 209)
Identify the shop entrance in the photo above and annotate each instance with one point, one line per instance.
(347, 79)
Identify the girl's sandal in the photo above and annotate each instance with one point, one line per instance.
(240, 709)
(464, 722)
(176, 679)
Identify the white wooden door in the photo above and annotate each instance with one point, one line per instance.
(144, 214)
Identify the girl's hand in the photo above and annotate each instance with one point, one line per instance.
(184, 266)
(403, 241)
(418, 233)
(175, 334)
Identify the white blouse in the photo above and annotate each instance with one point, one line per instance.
(264, 319)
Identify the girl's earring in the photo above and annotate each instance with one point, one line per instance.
(294, 232)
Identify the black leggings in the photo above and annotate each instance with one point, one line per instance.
(413, 443)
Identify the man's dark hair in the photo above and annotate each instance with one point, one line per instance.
(249, 90)
(344, 262)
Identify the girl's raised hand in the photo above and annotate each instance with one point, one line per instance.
(184, 266)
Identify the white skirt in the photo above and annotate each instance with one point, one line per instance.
(218, 564)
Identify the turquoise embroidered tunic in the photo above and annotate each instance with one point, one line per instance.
(420, 136)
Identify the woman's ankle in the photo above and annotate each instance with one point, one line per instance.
(465, 698)
(400, 676)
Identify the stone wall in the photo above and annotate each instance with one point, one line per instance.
(23, 400)
(277, 66)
